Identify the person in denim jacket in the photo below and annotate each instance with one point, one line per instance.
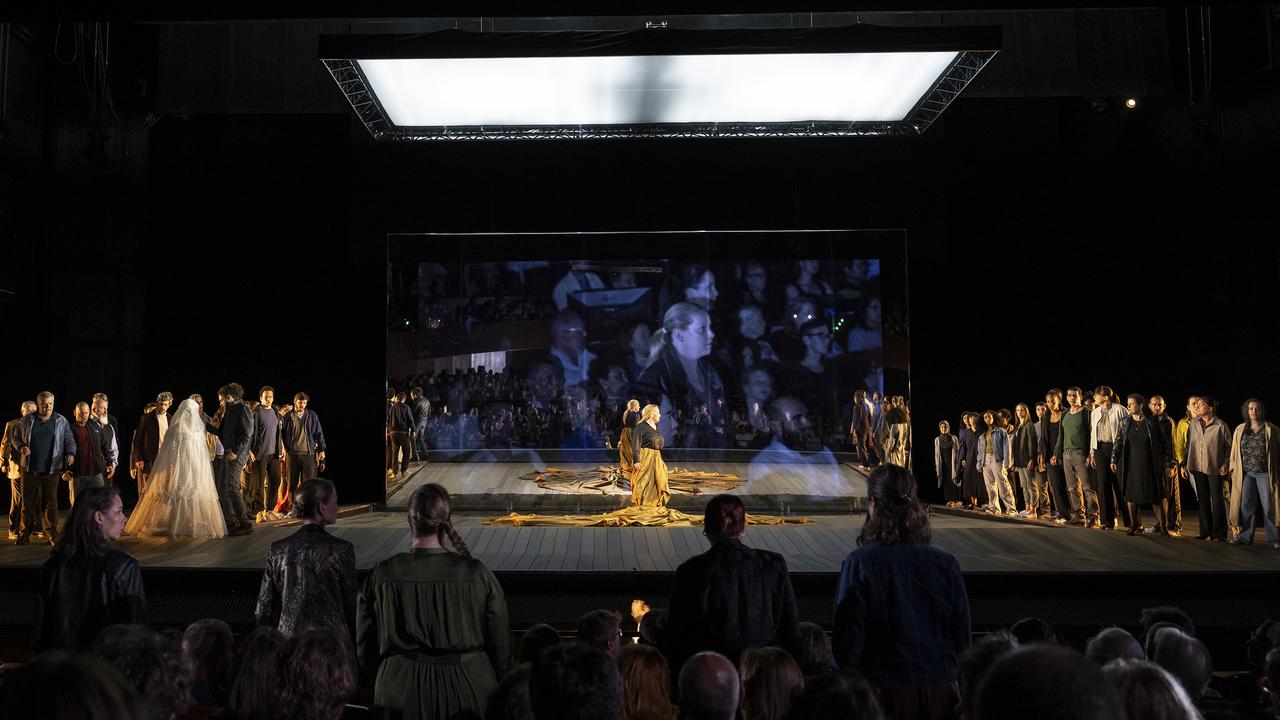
(993, 461)
(902, 611)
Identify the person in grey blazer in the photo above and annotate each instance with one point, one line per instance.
(235, 430)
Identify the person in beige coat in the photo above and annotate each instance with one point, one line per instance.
(1255, 463)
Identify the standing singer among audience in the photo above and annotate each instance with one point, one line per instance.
(902, 611)
(431, 625)
(86, 585)
(310, 578)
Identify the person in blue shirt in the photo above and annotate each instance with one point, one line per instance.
(47, 447)
(902, 612)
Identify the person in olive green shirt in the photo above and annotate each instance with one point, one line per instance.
(431, 625)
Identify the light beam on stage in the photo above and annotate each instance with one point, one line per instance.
(856, 80)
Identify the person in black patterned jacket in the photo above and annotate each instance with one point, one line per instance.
(310, 578)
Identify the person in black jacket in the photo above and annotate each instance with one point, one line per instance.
(235, 431)
(93, 452)
(86, 586)
(732, 597)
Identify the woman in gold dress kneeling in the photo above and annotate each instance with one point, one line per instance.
(649, 481)
(626, 449)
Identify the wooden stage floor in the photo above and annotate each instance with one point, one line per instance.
(982, 545)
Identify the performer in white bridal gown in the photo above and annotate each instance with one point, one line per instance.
(181, 498)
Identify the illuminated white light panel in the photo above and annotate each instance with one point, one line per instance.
(633, 90)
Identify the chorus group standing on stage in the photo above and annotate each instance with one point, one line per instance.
(197, 475)
(1096, 462)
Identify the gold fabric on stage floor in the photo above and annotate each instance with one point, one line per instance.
(634, 516)
(650, 492)
(611, 480)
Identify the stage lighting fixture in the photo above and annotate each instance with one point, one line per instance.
(1131, 103)
(857, 80)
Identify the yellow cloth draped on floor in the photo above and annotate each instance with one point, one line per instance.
(649, 496)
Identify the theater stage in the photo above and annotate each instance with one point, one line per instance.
(825, 484)
(1078, 579)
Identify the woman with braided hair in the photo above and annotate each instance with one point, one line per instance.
(431, 623)
(902, 612)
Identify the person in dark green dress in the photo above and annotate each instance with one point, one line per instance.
(431, 625)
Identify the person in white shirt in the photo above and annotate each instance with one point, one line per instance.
(1106, 419)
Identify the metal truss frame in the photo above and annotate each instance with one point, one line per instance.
(346, 73)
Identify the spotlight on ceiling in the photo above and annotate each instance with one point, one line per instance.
(1131, 103)
(857, 80)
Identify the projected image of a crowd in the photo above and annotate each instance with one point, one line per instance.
(723, 349)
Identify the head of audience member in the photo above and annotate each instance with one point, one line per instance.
(894, 512)
(788, 420)
(1046, 682)
(836, 696)
(755, 279)
(633, 341)
(510, 699)
(568, 334)
(314, 676)
(815, 335)
(1172, 614)
(155, 667)
(757, 389)
(316, 502)
(574, 681)
(769, 678)
(1262, 640)
(855, 271)
(646, 683)
(546, 380)
(602, 629)
(709, 688)
(536, 639)
(1111, 644)
(614, 382)
(1186, 658)
(1148, 691)
(653, 627)
(1149, 637)
(209, 645)
(814, 652)
(59, 686)
(1030, 630)
(163, 401)
(724, 518)
(751, 323)
(871, 313)
(251, 693)
(976, 660)
(686, 329)
(96, 518)
(431, 519)
(1271, 671)
(698, 285)
(800, 310)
